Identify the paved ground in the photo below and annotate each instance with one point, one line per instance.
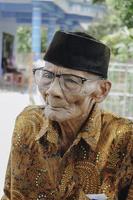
(11, 104)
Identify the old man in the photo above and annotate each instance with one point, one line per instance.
(70, 149)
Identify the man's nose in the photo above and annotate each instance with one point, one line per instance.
(55, 88)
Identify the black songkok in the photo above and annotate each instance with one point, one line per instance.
(79, 51)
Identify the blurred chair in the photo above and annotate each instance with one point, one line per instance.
(16, 79)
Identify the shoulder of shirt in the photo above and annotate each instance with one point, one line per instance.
(122, 124)
(31, 108)
(32, 112)
(28, 124)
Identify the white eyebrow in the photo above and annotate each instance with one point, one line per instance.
(39, 63)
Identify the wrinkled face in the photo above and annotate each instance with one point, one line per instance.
(65, 97)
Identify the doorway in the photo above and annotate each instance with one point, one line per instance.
(7, 51)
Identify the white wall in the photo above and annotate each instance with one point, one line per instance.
(8, 26)
(15, 103)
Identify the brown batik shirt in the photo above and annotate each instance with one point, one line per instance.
(100, 160)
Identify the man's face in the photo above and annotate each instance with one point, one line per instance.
(65, 98)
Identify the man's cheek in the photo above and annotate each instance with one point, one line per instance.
(43, 93)
(74, 98)
(89, 89)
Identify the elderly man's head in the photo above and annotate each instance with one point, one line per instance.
(73, 80)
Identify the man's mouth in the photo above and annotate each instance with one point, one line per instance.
(53, 106)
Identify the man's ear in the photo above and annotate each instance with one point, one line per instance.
(102, 90)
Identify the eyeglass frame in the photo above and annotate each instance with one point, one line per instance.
(59, 75)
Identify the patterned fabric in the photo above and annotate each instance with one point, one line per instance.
(100, 160)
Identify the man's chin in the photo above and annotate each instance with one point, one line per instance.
(56, 114)
(53, 113)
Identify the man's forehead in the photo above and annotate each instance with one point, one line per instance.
(59, 69)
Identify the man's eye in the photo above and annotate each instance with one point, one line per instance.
(70, 80)
(47, 75)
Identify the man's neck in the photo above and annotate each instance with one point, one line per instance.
(70, 129)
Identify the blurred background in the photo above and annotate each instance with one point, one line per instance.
(26, 29)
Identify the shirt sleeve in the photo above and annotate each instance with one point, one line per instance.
(118, 171)
(130, 192)
(130, 170)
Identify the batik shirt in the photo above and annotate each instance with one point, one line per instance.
(100, 159)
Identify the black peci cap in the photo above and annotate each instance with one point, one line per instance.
(79, 51)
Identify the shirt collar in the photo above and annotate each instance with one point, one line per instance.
(90, 132)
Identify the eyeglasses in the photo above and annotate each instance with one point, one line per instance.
(68, 82)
